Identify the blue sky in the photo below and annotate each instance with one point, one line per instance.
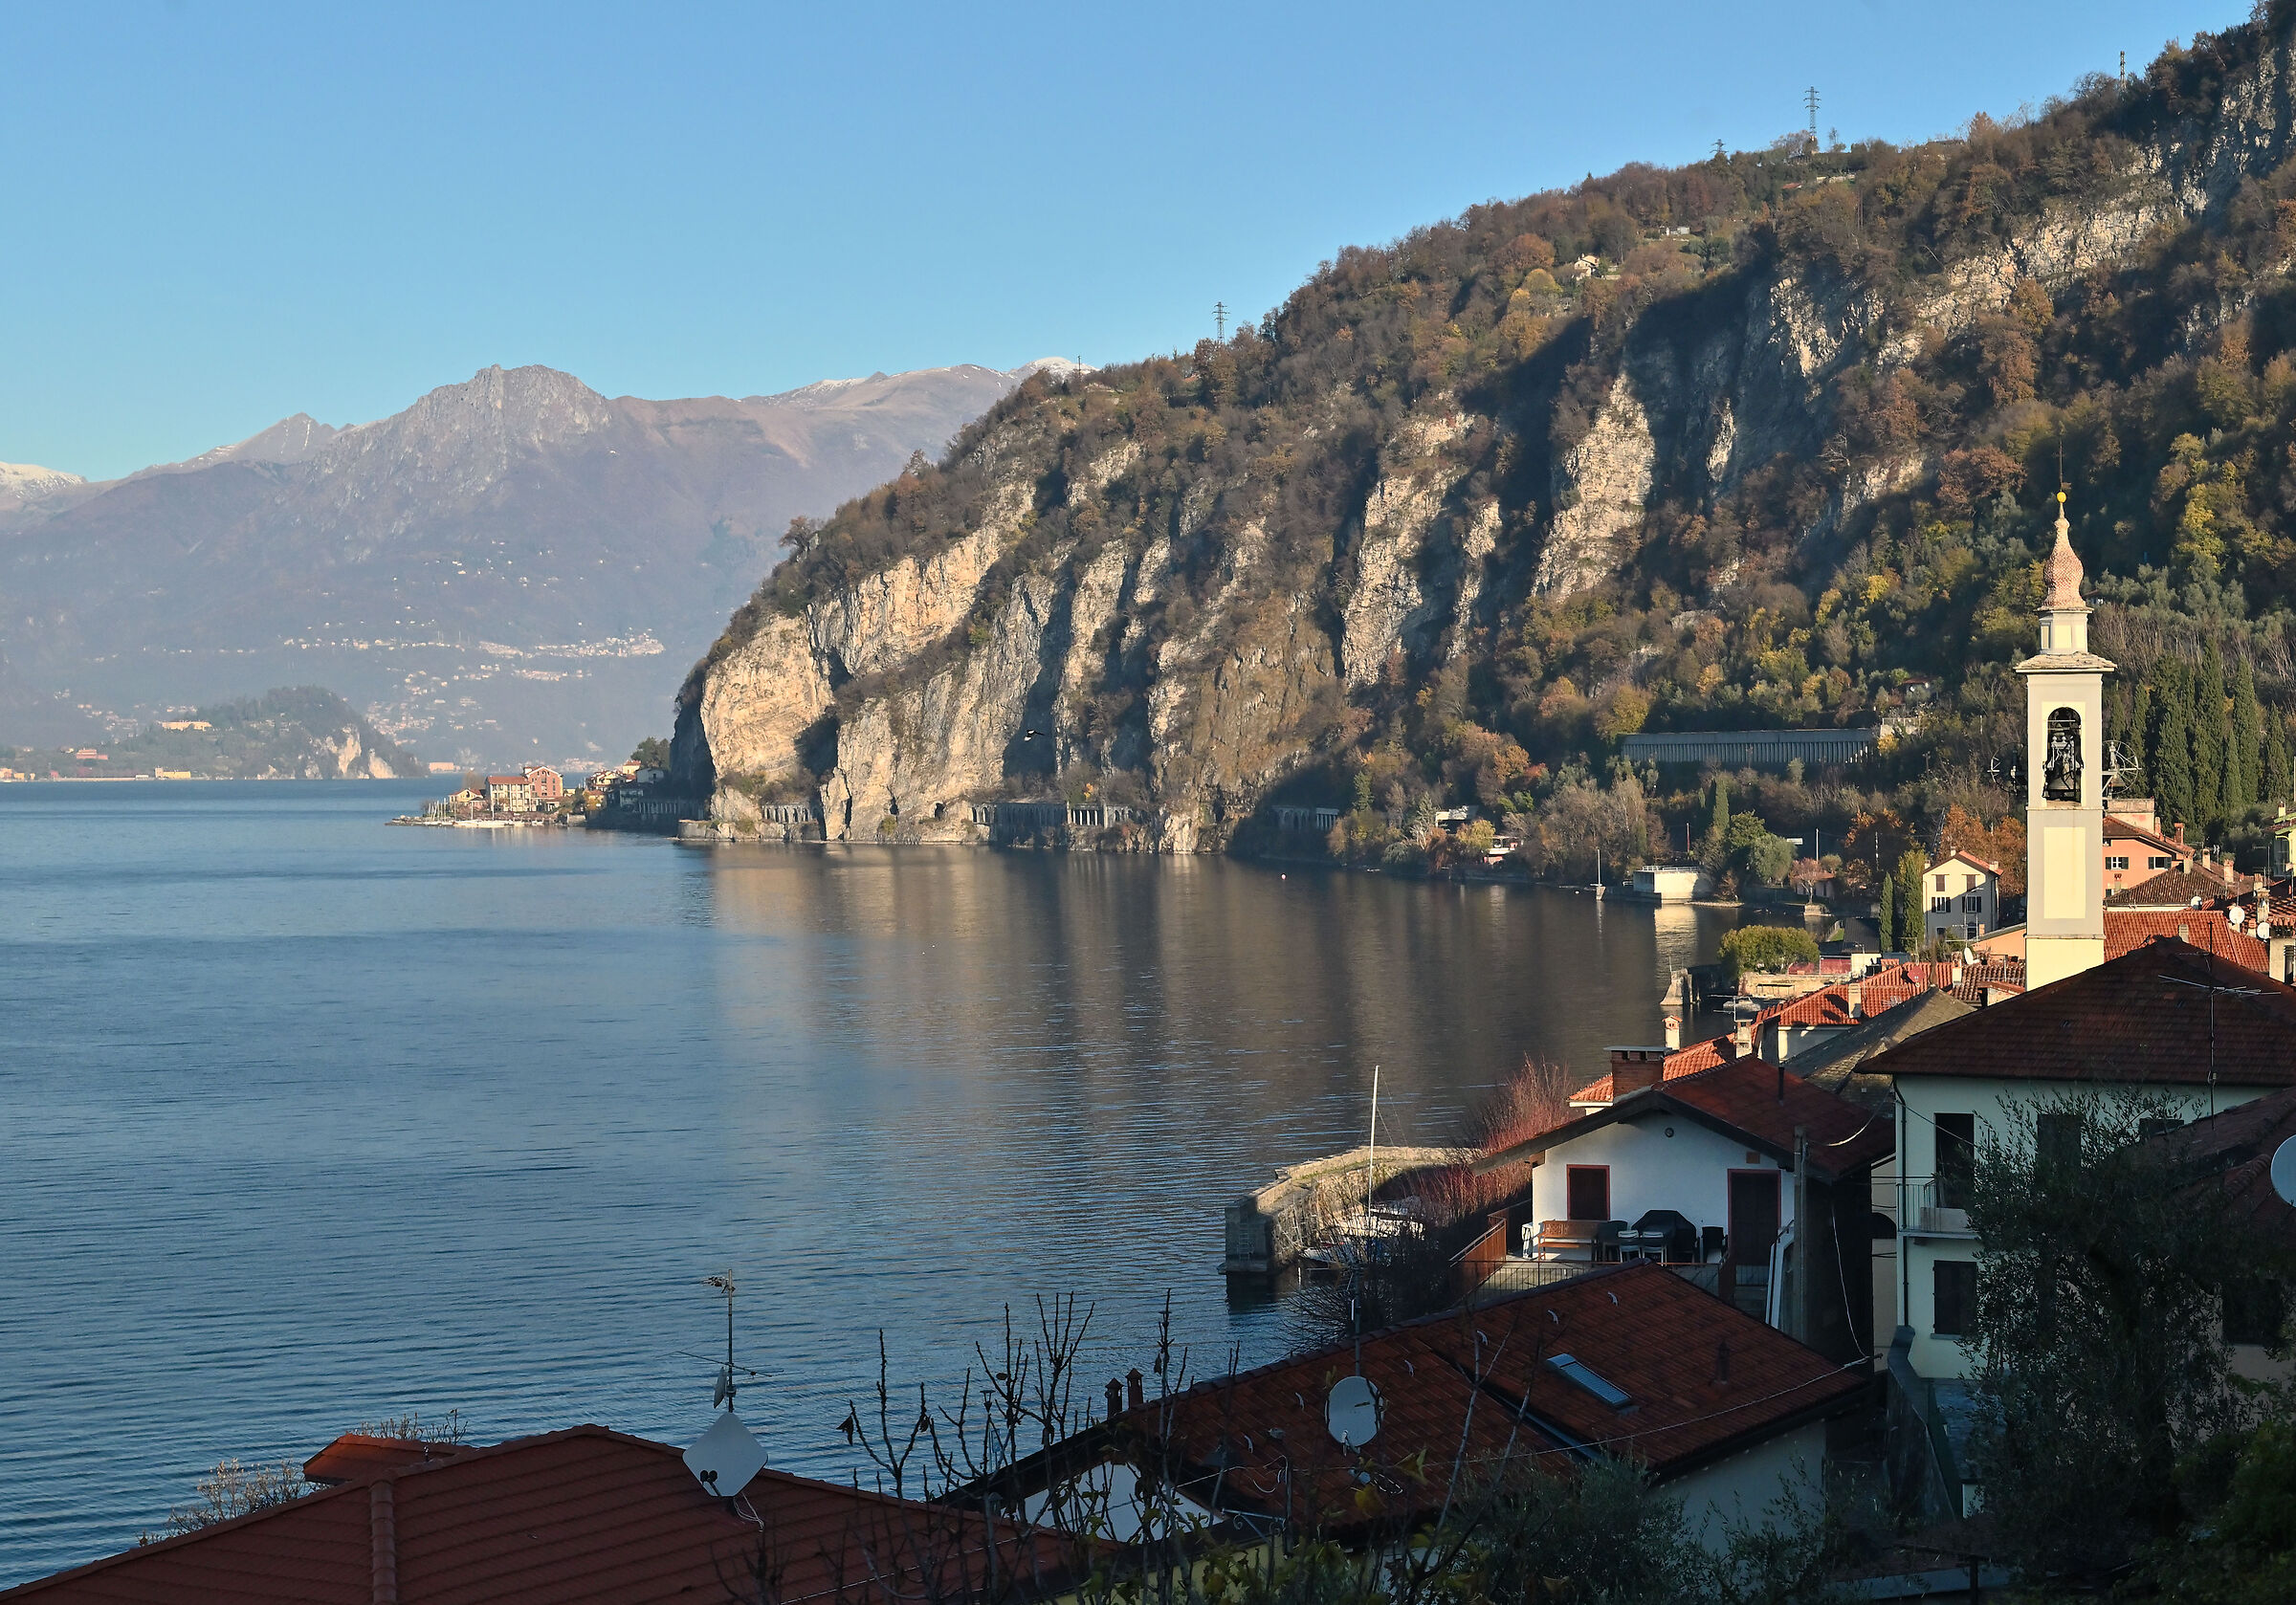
(219, 215)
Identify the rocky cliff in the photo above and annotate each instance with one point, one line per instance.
(1441, 482)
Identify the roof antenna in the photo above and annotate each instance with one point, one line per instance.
(727, 1457)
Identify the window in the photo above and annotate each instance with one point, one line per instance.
(1973, 904)
(1968, 883)
(2116, 863)
(1941, 905)
(1956, 1158)
(1587, 1191)
(2057, 1140)
(2157, 861)
(1593, 1381)
(1941, 883)
(1955, 1287)
(2151, 1125)
(2254, 1312)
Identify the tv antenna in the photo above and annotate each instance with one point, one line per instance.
(727, 1457)
(1220, 320)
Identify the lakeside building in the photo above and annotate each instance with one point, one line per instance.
(1737, 1167)
(584, 1514)
(509, 794)
(546, 784)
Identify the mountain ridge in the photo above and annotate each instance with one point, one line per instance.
(1731, 444)
(484, 570)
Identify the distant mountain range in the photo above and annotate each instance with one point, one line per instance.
(512, 567)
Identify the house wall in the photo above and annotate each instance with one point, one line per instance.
(1922, 1244)
(1687, 1172)
(1742, 1489)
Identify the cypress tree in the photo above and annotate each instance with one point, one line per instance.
(1887, 919)
(2172, 743)
(2275, 786)
(1912, 898)
(1719, 824)
(2247, 734)
(2212, 740)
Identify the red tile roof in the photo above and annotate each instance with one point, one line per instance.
(582, 1517)
(356, 1454)
(1702, 1381)
(2126, 929)
(2232, 1150)
(1680, 1062)
(2175, 889)
(2143, 1017)
(1752, 1101)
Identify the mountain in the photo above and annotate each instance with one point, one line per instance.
(299, 733)
(516, 567)
(1746, 442)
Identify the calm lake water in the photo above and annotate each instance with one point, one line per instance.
(304, 1120)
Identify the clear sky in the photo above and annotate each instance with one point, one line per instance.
(220, 215)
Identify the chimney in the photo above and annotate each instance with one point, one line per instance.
(382, 1529)
(2177, 830)
(1116, 1398)
(1634, 1068)
(1743, 1037)
(1674, 1031)
(1134, 1394)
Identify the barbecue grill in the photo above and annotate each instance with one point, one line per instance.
(1662, 1235)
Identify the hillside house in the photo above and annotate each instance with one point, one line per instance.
(2136, 849)
(1628, 1361)
(509, 794)
(1963, 894)
(1745, 1160)
(549, 785)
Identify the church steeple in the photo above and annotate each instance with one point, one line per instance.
(2065, 802)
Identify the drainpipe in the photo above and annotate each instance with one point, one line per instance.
(1799, 1315)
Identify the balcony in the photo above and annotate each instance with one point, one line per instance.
(1932, 1215)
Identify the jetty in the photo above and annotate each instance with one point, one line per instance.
(1309, 1204)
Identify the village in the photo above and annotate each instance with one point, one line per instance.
(538, 795)
(1748, 1272)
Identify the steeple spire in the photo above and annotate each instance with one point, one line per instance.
(2062, 571)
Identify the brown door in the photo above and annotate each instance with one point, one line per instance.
(1753, 1229)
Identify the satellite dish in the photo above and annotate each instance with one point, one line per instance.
(727, 1457)
(1353, 1412)
(2284, 1171)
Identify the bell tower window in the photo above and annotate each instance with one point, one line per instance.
(2060, 780)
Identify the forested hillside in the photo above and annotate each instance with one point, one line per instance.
(1753, 442)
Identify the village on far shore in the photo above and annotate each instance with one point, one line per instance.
(536, 796)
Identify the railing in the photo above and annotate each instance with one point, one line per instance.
(1939, 1207)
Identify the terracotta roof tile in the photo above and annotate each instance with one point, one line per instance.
(1702, 1379)
(1750, 1098)
(2175, 889)
(2232, 1150)
(2144, 1016)
(582, 1517)
(356, 1454)
(2126, 929)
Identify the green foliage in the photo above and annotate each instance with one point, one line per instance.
(1890, 935)
(2101, 1363)
(652, 753)
(1763, 948)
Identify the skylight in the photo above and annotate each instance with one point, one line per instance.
(1593, 1381)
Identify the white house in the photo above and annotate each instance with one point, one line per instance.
(1963, 893)
(1763, 1170)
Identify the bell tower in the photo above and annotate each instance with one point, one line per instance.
(2065, 778)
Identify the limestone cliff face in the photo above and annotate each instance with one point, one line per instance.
(1180, 604)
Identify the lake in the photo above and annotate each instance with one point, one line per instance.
(306, 1121)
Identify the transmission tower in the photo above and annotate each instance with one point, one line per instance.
(1809, 99)
(1220, 320)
